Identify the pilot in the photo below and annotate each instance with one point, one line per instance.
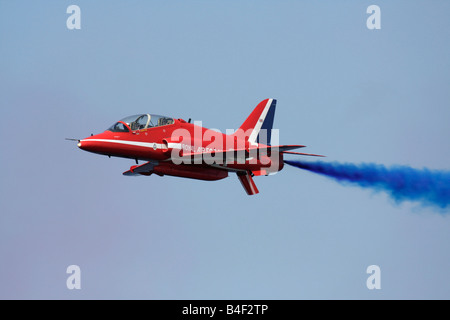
(134, 125)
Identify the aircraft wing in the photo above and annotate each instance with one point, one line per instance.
(245, 177)
(235, 154)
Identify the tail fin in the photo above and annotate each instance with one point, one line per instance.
(261, 118)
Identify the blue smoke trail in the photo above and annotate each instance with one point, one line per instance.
(402, 183)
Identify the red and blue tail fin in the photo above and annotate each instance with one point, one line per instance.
(260, 121)
(256, 130)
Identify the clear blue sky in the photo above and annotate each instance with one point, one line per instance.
(354, 94)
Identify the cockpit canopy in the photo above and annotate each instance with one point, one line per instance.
(140, 121)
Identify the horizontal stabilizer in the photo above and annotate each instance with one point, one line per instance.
(286, 147)
(302, 154)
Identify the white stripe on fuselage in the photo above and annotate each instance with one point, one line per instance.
(172, 145)
(130, 143)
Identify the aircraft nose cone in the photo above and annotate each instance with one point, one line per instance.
(95, 144)
(92, 145)
(86, 145)
(82, 144)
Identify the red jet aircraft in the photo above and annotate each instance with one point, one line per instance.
(175, 147)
